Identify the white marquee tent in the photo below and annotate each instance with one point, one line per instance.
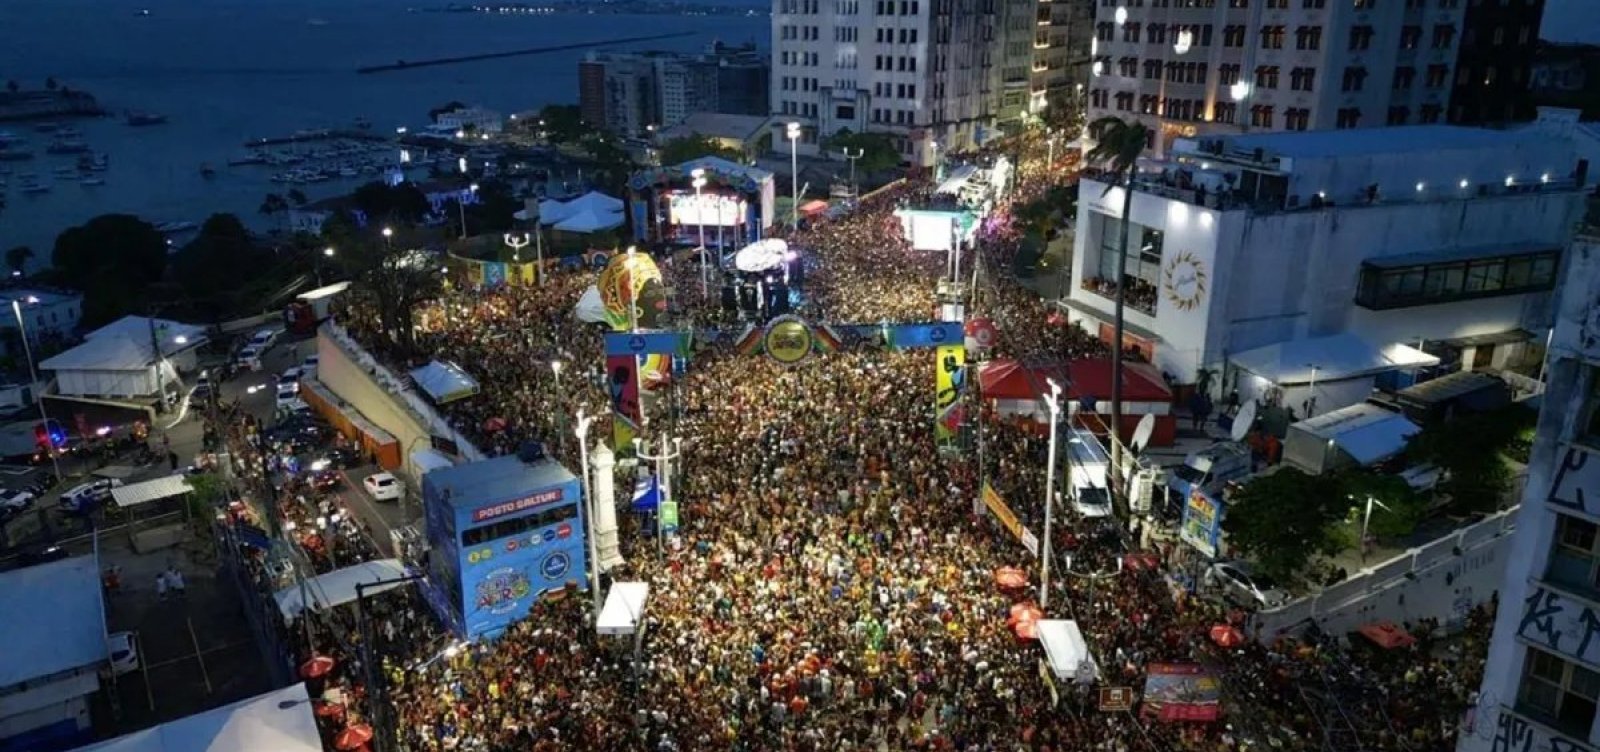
(444, 382)
(1067, 651)
(278, 721)
(588, 220)
(117, 360)
(624, 608)
(338, 587)
(761, 255)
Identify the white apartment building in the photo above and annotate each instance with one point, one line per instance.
(1446, 236)
(1542, 680)
(926, 71)
(1062, 36)
(475, 119)
(1199, 67)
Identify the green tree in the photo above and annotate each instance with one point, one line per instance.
(385, 204)
(447, 107)
(612, 163)
(114, 259)
(274, 205)
(494, 209)
(563, 123)
(1281, 520)
(17, 259)
(1119, 146)
(877, 150)
(393, 275)
(222, 262)
(679, 150)
(1470, 449)
(207, 491)
(1398, 508)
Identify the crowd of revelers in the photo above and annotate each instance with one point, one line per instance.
(832, 586)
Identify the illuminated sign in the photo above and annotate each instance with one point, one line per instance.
(519, 505)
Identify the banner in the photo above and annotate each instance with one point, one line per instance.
(669, 516)
(1202, 523)
(622, 377)
(997, 507)
(1181, 692)
(950, 377)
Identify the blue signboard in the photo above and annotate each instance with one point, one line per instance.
(504, 532)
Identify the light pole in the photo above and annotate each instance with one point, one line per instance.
(793, 132)
(860, 152)
(582, 432)
(561, 409)
(1053, 400)
(664, 477)
(33, 385)
(700, 214)
(388, 234)
(1311, 397)
(1366, 519)
(461, 204)
(326, 253)
(518, 242)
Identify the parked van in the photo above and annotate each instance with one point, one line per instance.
(1210, 469)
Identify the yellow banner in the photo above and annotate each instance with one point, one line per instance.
(997, 507)
(949, 377)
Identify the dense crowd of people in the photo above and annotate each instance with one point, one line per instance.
(832, 586)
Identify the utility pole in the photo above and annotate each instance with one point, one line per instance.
(1053, 400)
(671, 449)
(855, 192)
(582, 432)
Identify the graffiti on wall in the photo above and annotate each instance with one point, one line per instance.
(1563, 625)
(1577, 483)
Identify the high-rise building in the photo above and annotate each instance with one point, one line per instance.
(928, 72)
(1542, 680)
(634, 93)
(1494, 73)
(1187, 68)
(1063, 33)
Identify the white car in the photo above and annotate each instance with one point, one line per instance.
(85, 496)
(249, 358)
(263, 339)
(15, 501)
(1238, 582)
(122, 652)
(288, 394)
(384, 487)
(308, 367)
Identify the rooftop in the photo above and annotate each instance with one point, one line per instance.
(37, 296)
(65, 627)
(1406, 139)
(716, 125)
(496, 480)
(278, 721)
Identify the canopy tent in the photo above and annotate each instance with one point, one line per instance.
(1003, 378)
(594, 201)
(155, 489)
(590, 308)
(338, 587)
(958, 179)
(589, 220)
(444, 382)
(1091, 378)
(279, 721)
(761, 255)
(552, 211)
(1331, 358)
(624, 608)
(1387, 635)
(1067, 651)
(1361, 434)
(813, 207)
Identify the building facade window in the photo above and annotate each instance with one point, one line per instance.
(1360, 37)
(1410, 37)
(1272, 37)
(1348, 117)
(1308, 38)
(1558, 692)
(1398, 115)
(1404, 76)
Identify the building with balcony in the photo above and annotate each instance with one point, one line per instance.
(1200, 68)
(926, 72)
(1542, 680)
(470, 120)
(1063, 31)
(1441, 236)
(633, 94)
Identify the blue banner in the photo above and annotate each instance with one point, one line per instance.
(646, 494)
(647, 343)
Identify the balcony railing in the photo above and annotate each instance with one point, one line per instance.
(1141, 295)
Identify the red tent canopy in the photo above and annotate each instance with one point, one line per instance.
(1141, 382)
(1004, 378)
(1388, 635)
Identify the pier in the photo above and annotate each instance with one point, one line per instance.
(318, 135)
(406, 64)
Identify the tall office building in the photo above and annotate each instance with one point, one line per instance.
(1542, 680)
(1201, 67)
(931, 73)
(1494, 74)
(634, 93)
(1063, 34)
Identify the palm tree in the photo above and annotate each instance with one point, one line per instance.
(1118, 147)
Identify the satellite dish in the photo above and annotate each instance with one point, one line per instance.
(1141, 434)
(1244, 420)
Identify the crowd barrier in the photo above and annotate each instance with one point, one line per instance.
(1442, 580)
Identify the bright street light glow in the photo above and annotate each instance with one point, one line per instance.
(1239, 90)
(388, 233)
(328, 251)
(180, 339)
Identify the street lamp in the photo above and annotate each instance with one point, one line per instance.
(561, 408)
(793, 132)
(1053, 400)
(1366, 519)
(860, 152)
(699, 183)
(328, 251)
(516, 243)
(387, 234)
(582, 432)
(663, 474)
(33, 385)
(461, 204)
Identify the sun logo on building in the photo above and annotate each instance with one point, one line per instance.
(1184, 281)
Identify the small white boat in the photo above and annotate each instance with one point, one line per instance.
(35, 188)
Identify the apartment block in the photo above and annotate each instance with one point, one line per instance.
(633, 94)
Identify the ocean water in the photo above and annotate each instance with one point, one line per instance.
(225, 71)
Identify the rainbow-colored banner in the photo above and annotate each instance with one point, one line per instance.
(950, 380)
(622, 378)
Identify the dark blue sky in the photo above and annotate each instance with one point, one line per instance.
(1572, 21)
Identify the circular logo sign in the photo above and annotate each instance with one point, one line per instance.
(787, 340)
(636, 343)
(564, 531)
(555, 565)
(1184, 281)
(548, 535)
(511, 545)
(936, 334)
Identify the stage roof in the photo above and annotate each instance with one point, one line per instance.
(477, 483)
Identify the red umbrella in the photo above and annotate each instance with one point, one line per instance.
(1027, 629)
(325, 709)
(354, 737)
(1010, 578)
(316, 667)
(1026, 611)
(1226, 636)
(494, 425)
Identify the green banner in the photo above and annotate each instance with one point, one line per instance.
(669, 516)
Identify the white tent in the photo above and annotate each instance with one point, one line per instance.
(278, 721)
(761, 255)
(1067, 651)
(594, 201)
(1340, 356)
(444, 382)
(151, 490)
(117, 360)
(624, 609)
(338, 587)
(590, 309)
(587, 220)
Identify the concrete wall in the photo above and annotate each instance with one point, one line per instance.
(1442, 580)
(377, 394)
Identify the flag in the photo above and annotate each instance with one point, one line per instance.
(646, 494)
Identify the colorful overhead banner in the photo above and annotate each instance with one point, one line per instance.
(997, 507)
(950, 376)
(622, 376)
(1181, 692)
(1202, 523)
